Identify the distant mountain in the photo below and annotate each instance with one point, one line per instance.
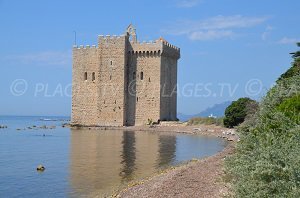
(184, 117)
(216, 110)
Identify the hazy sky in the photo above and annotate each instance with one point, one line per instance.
(229, 49)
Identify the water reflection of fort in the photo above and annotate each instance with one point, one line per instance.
(103, 160)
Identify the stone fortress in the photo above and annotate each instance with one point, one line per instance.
(122, 82)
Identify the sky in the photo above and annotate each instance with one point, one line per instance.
(229, 48)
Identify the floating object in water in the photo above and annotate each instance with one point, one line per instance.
(40, 168)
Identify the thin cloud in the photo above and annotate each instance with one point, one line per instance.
(266, 33)
(211, 35)
(286, 40)
(47, 58)
(187, 3)
(213, 28)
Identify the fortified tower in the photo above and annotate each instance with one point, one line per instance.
(123, 82)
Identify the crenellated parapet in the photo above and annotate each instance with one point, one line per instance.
(145, 48)
(170, 50)
(84, 47)
(111, 39)
(157, 48)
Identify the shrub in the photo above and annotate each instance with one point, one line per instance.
(293, 71)
(291, 108)
(267, 161)
(236, 113)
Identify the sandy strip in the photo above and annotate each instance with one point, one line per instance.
(201, 178)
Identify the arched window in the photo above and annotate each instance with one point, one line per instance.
(111, 62)
(85, 75)
(93, 76)
(137, 99)
(149, 79)
(110, 77)
(142, 75)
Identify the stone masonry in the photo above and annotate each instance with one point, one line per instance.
(123, 82)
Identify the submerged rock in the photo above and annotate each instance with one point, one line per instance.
(43, 127)
(3, 127)
(47, 127)
(52, 127)
(65, 125)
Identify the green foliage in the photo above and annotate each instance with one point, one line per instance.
(150, 122)
(236, 113)
(293, 71)
(206, 121)
(291, 108)
(296, 55)
(267, 158)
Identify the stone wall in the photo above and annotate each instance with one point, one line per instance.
(84, 88)
(112, 55)
(168, 108)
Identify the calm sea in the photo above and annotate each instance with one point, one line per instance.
(86, 163)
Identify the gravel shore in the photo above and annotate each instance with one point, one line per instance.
(198, 178)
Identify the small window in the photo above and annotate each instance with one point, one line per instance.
(137, 99)
(134, 75)
(93, 76)
(149, 79)
(85, 75)
(111, 62)
(142, 75)
(110, 77)
(115, 102)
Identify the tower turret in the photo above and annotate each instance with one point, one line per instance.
(131, 32)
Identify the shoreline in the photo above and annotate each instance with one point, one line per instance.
(174, 127)
(195, 178)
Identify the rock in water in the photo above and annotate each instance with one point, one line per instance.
(40, 168)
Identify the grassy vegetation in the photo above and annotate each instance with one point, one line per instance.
(206, 121)
(267, 158)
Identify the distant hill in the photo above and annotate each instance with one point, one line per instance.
(217, 110)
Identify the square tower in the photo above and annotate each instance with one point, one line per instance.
(123, 82)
